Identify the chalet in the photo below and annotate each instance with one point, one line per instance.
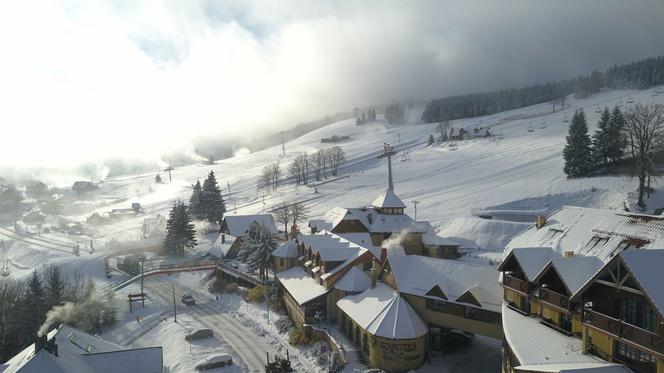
(582, 283)
(66, 350)
(412, 305)
(36, 189)
(235, 227)
(34, 217)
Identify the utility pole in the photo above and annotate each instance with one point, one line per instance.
(142, 259)
(415, 203)
(169, 169)
(175, 311)
(389, 151)
(283, 143)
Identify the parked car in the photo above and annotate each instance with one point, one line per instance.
(215, 361)
(188, 300)
(199, 334)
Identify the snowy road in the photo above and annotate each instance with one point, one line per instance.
(252, 348)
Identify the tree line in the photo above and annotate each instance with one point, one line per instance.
(639, 75)
(316, 165)
(640, 131)
(45, 300)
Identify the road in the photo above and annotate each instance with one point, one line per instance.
(250, 347)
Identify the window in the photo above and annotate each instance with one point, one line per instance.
(634, 358)
(637, 313)
(282, 262)
(470, 313)
(435, 305)
(366, 266)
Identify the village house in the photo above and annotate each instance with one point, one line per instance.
(583, 284)
(67, 350)
(233, 230)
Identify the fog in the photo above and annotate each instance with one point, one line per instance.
(82, 82)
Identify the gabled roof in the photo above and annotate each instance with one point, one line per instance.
(531, 260)
(81, 352)
(574, 271)
(330, 247)
(431, 238)
(646, 266)
(574, 229)
(353, 281)
(372, 220)
(383, 312)
(300, 285)
(238, 225)
(417, 275)
(221, 249)
(388, 199)
(287, 249)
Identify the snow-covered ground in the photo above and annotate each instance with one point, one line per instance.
(522, 171)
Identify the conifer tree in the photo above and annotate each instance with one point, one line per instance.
(212, 203)
(55, 286)
(602, 139)
(577, 153)
(180, 232)
(617, 139)
(34, 308)
(257, 248)
(195, 201)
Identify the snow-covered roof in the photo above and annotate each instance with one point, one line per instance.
(593, 232)
(383, 312)
(574, 368)
(431, 238)
(646, 266)
(300, 285)
(320, 224)
(287, 249)
(353, 281)
(362, 239)
(532, 260)
(373, 221)
(535, 344)
(388, 199)
(220, 248)
(238, 225)
(417, 275)
(81, 352)
(575, 271)
(330, 247)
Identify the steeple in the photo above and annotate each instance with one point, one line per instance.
(389, 151)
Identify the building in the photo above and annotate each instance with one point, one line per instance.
(82, 188)
(67, 350)
(585, 285)
(235, 227)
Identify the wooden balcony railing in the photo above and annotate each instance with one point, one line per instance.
(620, 329)
(553, 298)
(515, 283)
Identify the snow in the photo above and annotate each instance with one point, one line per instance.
(300, 285)
(388, 199)
(238, 225)
(574, 368)
(646, 266)
(418, 274)
(354, 281)
(219, 248)
(287, 249)
(575, 271)
(383, 312)
(532, 259)
(431, 238)
(551, 347)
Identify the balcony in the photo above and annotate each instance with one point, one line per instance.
(555, 299)
(515, 284)
(624, 331)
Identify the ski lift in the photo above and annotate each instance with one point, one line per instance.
(530, 127)
(500, 135)
(565, 119)
(543, 125)
(630, 100)
(598, 110)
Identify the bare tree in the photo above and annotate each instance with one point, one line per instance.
(645, 127)
(275, 171)
(282, 214)
(336, 157)
(299, 212)
(317, 160)
(265, 179)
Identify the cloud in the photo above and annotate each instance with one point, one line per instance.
(82, 81)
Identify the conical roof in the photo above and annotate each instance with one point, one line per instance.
(353, 281)
(388, 199)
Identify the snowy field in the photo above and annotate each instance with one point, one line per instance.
(522, 171)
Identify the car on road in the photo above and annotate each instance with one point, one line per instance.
(188, 300)
(215, 361)
(199, 334)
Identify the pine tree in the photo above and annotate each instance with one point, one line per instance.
(212, 203)
(602, 139)
(180, 232)
(617, 139)
(195, 201)
(55, 286)
(577, 152)
(257, 248)
(34, 308)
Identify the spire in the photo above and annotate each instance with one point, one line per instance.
(389, 151)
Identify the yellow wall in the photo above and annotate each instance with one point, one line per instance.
(294, 310)
(660, 366)
(513, 296)
(454, 321)
(396, 355)
(535, 307)
(602, 342)
(577, 326)
(333, 311)
(550, 313)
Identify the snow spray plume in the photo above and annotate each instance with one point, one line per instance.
(393, 245)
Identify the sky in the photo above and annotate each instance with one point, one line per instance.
(82, 81)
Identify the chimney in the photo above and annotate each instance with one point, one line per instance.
(383, 255)
(370, 218)
(541, 220)
(223, 238)
(40, 342)
(374, 274)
